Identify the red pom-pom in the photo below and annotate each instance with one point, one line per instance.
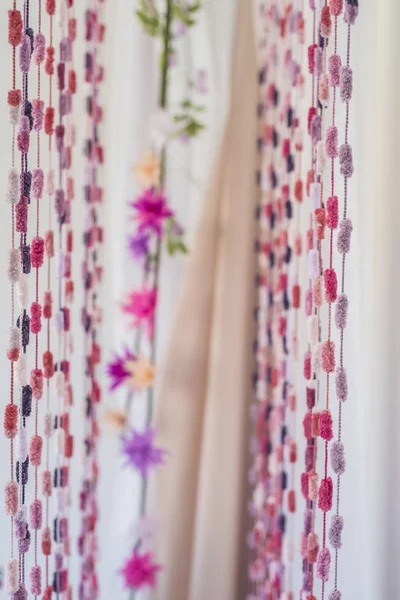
(69, 446)
(47, 305)
(48, 364)
(298, 190)
(15, 27)
(36, 381)
(292, 501)
(325, 425)
(14, 97)
(72, 81)
(296, 296)
(325, 494)
(49, 120)
(51, 7)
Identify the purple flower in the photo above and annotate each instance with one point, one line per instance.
(140, 452)
(118, 369)
(151, 210)
(138, 245)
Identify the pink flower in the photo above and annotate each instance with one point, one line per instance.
(151, 210)
(140, 570)
(141, 306)
(120, 369)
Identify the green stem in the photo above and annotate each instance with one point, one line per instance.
(163, 102)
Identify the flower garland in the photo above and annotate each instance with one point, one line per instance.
(156, 229)
(91, 313)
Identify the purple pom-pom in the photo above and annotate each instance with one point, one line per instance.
(338, 458)
(335, 532)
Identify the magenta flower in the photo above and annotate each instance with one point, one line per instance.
(141, 306)
(140, 571)
(140, 452)
(120, 369)
(151, 210)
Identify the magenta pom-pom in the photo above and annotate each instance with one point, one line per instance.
(325, 494)
(330, 281)
(37, 252)
(36, 317)
(21, 215)
(326, 425)
(332, 212)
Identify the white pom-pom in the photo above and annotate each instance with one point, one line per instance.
(312, 264)
(21, 371)
(12, 584)
(13, 187)
(14, 338)
(21, 444)
(321, 158)
(59, 265)
(23, 291)
(316, 363)
(50, 182)
(59, 381)
(59, 436)
(313, 329)
(14, 265)
(315, 194)
(13, 114)
(47, 425)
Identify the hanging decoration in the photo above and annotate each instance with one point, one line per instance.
(279, 249)
(157, 230)
(92, 276)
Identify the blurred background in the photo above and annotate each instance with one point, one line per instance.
(371, 485)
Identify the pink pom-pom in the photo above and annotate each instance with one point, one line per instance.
(15, 27)
(334, 66)
(328, 356)
(315, 432)
(11, 498)
(35, 450)
(39, 48)
(36, 580)
(38, 114)
(326, 425)
(35, 514)
(47, 305)
(23, 135)
(326, 22)
(307, 425)
(37, 183)
(304, 485)
(46, 544)
(307, 365)
(317, 291)
(311, 58)
(49, 243)
(36, 317)
(21, 215)
(11, 577)
(37, 252)
(330, 281)
(312, 547)
(51, 7)
(336, 7)
(46, 483)
(324, 564)
(11, 421)
(36, 381)
(325, 494)
(308, 303)
(332, 142)
(332, 212)
(312, 486)
(48, 364)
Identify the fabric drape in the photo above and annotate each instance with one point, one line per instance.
(205, 383)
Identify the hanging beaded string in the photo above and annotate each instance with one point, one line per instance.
(91, 314)
(309, 480)
(70, 136)
(61, 473)
(37, 259)
(296, 78)
(338, 461)
(48, 360)
(15, 33)
(24, 322)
